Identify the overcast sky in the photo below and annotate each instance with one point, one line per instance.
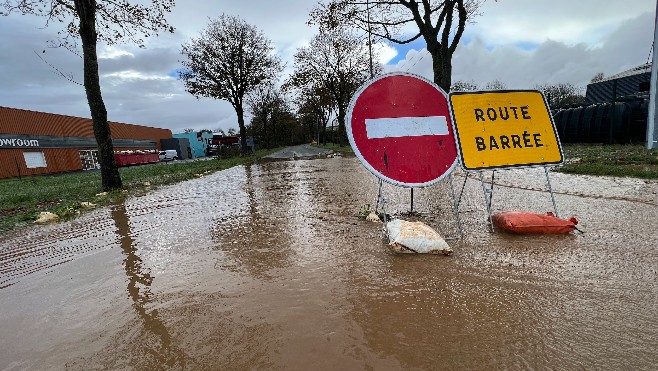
(519, 42)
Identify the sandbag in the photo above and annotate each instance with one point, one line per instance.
(373, 217)
(527, 222)
(415, 237)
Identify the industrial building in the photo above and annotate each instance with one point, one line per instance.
(34, 143)
(197, 142)
(615, 110)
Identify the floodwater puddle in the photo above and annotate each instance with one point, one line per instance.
(267, 266)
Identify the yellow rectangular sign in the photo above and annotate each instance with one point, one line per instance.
(500, 129)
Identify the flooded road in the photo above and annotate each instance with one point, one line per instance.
(268, 267)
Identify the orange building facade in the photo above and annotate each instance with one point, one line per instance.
(33, 143)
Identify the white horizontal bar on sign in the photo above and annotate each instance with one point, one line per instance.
(406, 127)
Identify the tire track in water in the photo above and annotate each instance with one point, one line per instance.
(43, 248)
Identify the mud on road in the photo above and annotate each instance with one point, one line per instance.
(267, 267)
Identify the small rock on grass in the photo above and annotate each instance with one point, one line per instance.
(46, 217)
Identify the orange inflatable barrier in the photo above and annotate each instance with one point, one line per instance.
(527, 222)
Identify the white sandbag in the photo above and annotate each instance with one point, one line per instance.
(415, 237)
(373, 217)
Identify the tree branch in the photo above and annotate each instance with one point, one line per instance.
(69, 76)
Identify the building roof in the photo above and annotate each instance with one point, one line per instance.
(644, 68)
(20, 121)
(632, 82)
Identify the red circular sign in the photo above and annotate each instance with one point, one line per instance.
(400, 128)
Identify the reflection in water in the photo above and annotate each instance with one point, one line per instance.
(158, 345)
(427, 312)
(250, 188)
(257, 243)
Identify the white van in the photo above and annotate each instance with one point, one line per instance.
(168, 155)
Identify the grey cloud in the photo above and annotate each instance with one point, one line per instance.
(552, 62)
(29, 83)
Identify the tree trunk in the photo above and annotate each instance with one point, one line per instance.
(273, 122)
(243, 131)
(264, 138)
(442, 67)
(110, 177)
(341, 124)
(324, 132)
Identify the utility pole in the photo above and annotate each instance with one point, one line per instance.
(652, 135)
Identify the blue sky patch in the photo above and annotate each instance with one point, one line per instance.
(403, 49)
(527, 46)
(175, 73)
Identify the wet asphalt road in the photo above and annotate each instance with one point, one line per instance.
(301, 151)
(267, 267)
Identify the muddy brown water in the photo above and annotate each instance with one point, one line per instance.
(267, 267)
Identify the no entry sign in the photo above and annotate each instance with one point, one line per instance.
(400, 128)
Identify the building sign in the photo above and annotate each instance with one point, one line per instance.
(45, 141)
(499, 129)
(18, 142)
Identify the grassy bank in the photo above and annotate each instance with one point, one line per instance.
(21, 200)
(593, 159)
(346, 148)
(623, 160)
(612, 160)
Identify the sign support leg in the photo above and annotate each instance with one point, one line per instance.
(550, 189)
(493, 176)
(381, 201)
(487, 199)
(379, 195)
(455, 204)
(461, 193)
(412, 202)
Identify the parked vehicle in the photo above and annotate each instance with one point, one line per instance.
(168, 155)
(139, 157)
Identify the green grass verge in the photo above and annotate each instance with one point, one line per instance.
(346, 148)
(612, 160)
(592, 159)
(21, 200)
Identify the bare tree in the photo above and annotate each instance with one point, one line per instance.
(275, 114)
(561, 95)
(264, 103)
(316, 106)
(495, 85)
(440, 23)
(228, 60)
(464, 86)
(335, 60)
(91, 21)
(598, 77)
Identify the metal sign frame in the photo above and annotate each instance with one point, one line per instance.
(381, 201)
(487, 190)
